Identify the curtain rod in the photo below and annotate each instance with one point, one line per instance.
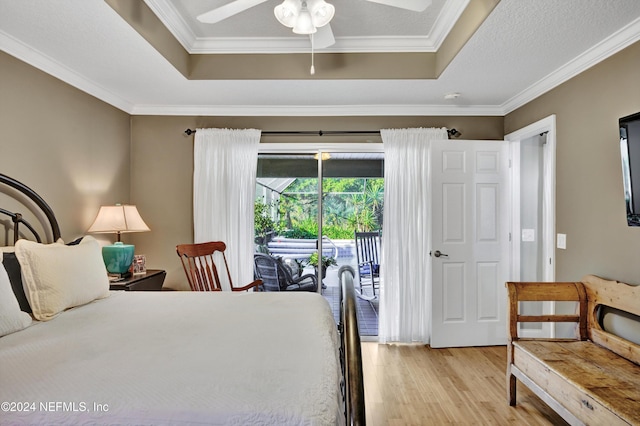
(451, 132)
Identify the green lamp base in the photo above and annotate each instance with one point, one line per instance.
(118, 257)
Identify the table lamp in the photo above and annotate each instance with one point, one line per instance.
(118, 219)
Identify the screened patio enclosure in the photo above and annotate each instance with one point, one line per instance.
(288, 192)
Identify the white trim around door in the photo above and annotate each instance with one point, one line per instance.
(548, 126)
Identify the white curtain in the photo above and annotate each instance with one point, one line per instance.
(405, 295)
(224, 182)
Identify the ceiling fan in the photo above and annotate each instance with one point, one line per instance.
(303, 16)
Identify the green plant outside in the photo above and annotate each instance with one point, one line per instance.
(263, 224)
(350, 205)
(326, 261)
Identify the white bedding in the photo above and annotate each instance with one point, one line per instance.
(177, 358)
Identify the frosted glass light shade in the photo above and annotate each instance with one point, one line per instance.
(304, 16)
(321, 13)
(287, 12)
(304, 24)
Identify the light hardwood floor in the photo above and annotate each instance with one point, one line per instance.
(417, 385)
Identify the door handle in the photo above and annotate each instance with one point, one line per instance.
(438, 253)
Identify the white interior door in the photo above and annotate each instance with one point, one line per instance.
(470, 242)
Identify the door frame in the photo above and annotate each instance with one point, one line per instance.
(547, 125)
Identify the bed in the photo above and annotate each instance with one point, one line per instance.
(92, 356)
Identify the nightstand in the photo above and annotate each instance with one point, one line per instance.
(152, 280)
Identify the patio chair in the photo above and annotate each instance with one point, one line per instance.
(276, 276)
(368, 258)
(200, 267)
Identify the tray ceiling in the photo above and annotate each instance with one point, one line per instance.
(521, 50)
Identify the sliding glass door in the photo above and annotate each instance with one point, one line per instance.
(352, 215)
(308, 201)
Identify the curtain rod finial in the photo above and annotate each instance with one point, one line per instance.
(453, 132)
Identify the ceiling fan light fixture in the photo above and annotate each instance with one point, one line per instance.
(304, 16)
(321, 13)
(287, 13)
(304, 23)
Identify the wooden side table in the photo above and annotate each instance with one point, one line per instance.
(152, 280)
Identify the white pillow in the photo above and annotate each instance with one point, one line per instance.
(11, 317)
(57, 277)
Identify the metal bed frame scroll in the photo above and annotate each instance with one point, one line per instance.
(17, 218)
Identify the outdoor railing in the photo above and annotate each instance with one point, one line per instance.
(300, 248)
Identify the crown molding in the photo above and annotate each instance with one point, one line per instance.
(46, 64)
(316, 110)
(447, 19)
(171, 18)
(302, 44)
(601, 51)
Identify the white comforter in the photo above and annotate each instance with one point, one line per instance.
(177, 358)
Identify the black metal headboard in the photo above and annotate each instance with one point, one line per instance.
(40, 203)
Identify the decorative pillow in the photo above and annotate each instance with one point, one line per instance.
(57, 277)
(11, 317)
(12, 267)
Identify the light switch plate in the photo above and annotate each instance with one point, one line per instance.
(528, 235)
(561, 241)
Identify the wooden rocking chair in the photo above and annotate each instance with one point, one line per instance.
(368, 258)
(199, 265)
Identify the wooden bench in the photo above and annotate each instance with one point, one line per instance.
(593, 379)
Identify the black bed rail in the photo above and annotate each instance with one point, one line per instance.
(352, 354)
(42, 205)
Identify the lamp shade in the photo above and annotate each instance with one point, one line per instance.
(117, 219)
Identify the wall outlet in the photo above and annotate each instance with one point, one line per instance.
(561, 241)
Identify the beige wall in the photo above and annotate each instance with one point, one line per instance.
(590, 205)
(70, 147)
(162, 168)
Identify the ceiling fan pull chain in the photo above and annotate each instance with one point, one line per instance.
(313, 70)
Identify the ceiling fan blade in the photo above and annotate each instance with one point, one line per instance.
(223, 12)
(323, 37)
(415, 5)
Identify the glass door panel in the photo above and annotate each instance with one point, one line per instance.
(345, 191)
(352, 203)
(286, 211)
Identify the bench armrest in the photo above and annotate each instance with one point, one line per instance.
(545, 291)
